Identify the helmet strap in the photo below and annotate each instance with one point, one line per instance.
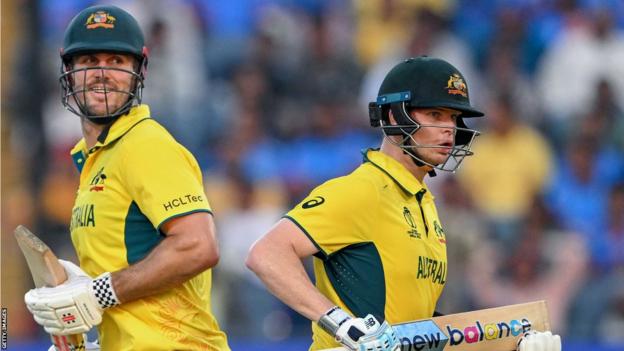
(405, 127)
(401, 116)
(103, 120)
(416, 159)
(134, 94)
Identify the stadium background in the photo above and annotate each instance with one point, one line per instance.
(270, 95)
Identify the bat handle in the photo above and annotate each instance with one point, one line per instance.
(68, 342)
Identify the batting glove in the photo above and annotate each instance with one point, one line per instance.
(75, 306)
(539, 341)
(359, 334)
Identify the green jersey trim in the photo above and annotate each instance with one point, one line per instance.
(79, 159)
(181, 215)
(140, 236)
(357, 275)
(366, 159)
(321, 254)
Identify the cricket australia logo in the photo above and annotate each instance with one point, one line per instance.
(413, 231)
(100, 19)
(456, 86)
(97, 182)
(439, 232)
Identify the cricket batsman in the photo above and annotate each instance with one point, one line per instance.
(379, 247)
(141, 224)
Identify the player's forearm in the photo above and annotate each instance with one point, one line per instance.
(187, 250)
(284, 275)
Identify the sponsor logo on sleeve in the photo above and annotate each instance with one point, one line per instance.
(317, 200)
(182, 201)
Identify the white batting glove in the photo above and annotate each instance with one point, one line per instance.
(383, 339)
(73, 307)
(539, 341)
(361, 334)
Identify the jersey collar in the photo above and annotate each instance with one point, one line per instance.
(113, 132)
(395, 170)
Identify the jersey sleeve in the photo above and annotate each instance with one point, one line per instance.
(337, 214)
(164, 179)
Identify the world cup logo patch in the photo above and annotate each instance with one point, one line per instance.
(413, 231)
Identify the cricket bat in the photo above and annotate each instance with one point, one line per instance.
(46, 271)
(492, 329)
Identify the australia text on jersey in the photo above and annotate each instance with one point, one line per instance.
(429, 268)
(83, 216)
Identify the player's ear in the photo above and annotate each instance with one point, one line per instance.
(391, 118)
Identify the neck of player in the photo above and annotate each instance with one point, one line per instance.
(91, 131)
(397, 153)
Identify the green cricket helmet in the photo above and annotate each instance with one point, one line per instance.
(424, 82)
(101, 28)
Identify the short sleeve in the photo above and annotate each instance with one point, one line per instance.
(164, 179)
(337, 214)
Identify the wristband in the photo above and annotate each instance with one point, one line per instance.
(333, 319)
(103, 290)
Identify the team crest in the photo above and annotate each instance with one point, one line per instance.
(97, 183)
(100, 19)
(456, 85)
(413, 231)
(439, 232)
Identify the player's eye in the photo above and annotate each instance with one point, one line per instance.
(86, 60)
(117, 60)
(435, 114)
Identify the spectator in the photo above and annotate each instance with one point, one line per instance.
(578, 198)
(547, 264)
(569, 71)
(430, 35)
(598, 313)
(465, 232)
(246, 306)
(516, 161)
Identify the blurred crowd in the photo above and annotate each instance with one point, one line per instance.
(271, 97)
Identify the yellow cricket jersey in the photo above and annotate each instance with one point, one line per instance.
(133, 180)
(381, 246)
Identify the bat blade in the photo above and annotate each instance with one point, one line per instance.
(492, 329)
(46, 271)
(43, 264)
